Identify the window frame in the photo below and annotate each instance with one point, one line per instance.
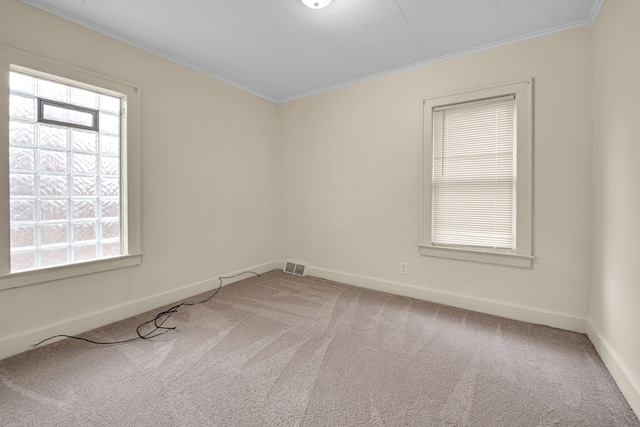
(47, 102)
(131, 236)
(522, 256)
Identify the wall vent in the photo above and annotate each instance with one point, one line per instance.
(294, 267)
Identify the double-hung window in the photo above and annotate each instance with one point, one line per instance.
(477, 171)
(72, 165)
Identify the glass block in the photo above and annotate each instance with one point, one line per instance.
(21, 210)
(22, 107)
(110, 229)
(109, 144)
(84, 209)
(84, 98)
(84, 186)
(53, 185)
(21, 158)
(84, 140)
(110, 249)
(58, 113)
(23, 260)
(21, 133)
(53, 210)
(110, 187)
(84, 252)
(54, 256)
(84, 163)
(21, 184)
(110, 103)
(84, 231)
(22, 83)
(53, 161)
(52, 136)
(110, 123)
(52, 90)
(51, 234)
(110, 165)
(110, 208)
(22, 236)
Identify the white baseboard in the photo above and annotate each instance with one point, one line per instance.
(629, 387)
(496, 308)
(21, 342)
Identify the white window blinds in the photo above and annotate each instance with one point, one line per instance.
(474, 174)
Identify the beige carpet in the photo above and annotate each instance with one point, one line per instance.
(281, 351)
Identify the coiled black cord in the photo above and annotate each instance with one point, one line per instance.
(158, 321)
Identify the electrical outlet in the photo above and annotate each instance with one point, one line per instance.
(404, 269)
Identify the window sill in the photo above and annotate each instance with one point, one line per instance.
(512, 260)
(41, 275)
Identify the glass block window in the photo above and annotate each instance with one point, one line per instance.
(64, 159)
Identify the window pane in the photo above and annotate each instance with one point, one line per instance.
(20, 133)
(84, 141)
(22, 83)
(110, 229)
(22, 210)
(22, 107)
(23, 260)
(53, 233)
(83, 209)
(110, 249)
(21, 184)
(84, 252)
(84, 231)
(54, 256)
(53, 210)
(110, 123)
(110, 165)
(58, 113)
(53, 185)
(84, 186)
(21, 158)
(110, 208)
(84, 98)
(52, 136)
(84, 164)
(109, 103)
(52, 90)
(109, 144)
(22, 236)
(110, 187)
(53, 161)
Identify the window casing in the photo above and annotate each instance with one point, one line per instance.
(477, 175)
(74, 233)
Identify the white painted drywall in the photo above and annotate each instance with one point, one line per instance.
(615, 293)
(209, 183)
(350, 182)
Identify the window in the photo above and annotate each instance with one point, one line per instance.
(477, 170)
(72, 199)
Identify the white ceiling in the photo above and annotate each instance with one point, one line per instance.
(281, 50)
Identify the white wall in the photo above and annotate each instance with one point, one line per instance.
(350, 183)
(615, 294)
(209, 185)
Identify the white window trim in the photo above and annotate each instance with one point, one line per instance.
(131, 232)
(522, 256)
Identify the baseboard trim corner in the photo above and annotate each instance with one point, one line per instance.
(618, 370)
(496, 308)
(21, 342)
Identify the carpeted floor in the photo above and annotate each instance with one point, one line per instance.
(281, 351)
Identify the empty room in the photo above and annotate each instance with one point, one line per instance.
(319, 213)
